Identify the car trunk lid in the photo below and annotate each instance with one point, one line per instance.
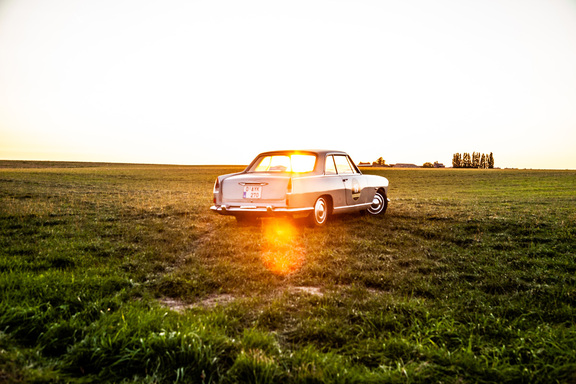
(254, 188)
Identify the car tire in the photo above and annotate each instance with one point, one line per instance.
(379, 204)
(319, 215)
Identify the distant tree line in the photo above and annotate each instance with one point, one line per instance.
(381, 162)
(476, 160)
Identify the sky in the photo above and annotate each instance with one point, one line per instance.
(218, 81)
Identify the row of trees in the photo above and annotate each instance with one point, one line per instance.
(381, 162)
(476, 160)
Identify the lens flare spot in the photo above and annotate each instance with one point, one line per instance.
(282, 252)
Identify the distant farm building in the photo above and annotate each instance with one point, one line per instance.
(439, 165)
(405, 165)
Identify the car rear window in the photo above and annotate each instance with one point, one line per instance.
(285, 163)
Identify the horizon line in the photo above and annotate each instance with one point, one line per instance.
(244, 165)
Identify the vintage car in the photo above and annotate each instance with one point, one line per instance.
(311, 184)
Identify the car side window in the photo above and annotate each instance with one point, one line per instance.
(330, 167)
(343, 166)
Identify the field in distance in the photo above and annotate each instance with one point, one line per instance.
(120, 273)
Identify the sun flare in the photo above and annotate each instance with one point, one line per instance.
(302, 163)
(282, 251)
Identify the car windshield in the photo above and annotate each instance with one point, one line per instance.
(285, 163)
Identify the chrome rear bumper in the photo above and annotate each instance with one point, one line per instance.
(249, 209)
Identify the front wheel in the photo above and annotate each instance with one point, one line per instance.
(320, 214)
(379, 204)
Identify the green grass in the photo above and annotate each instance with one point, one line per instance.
(120, 273)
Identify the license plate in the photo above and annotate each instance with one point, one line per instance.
(252, 192)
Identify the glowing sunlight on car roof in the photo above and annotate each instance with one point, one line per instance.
(286, 163)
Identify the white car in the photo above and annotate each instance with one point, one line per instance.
(300, 183)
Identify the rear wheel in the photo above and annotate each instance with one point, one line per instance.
(321, 211)
(379, 204)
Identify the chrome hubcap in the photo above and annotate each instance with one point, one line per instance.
(377, 204)
(320, 211)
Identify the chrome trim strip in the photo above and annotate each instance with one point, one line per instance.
(364, 205)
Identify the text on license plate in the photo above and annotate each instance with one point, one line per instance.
(252, 192)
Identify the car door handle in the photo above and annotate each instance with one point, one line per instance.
(344, 180)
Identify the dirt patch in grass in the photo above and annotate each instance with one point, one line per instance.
(217, 299)
(208, 302)
(314, 291)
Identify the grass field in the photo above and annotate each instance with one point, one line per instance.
(120, 273)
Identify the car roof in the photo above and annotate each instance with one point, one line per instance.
(315, 151)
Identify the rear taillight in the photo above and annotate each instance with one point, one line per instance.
(216, 189)
(288, 191)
